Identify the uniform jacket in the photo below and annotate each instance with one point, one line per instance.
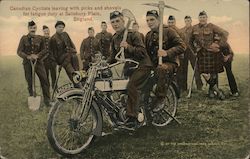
(89, 48)
(31, 45)
(202, 36)
(186, 31)
(104, 40)
(136, 49)
(172, 43)
(61, 46)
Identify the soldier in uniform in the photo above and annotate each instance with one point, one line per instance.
(89, 48)
(189, 54)
(180, 76)
(49, 60)
(210, 59)
(228, 59)
(63, 50)
(134, 49)
(31, 48)
(173, 46)
(135, 27)
(104, 40)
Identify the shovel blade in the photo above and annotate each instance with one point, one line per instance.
(34, 102)
(127, 13)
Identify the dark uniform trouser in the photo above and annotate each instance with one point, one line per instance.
(191, 57)
(182, 76)
(136, 82)
(85, 64)
(40, 71)
(182, 72)
(106, 54)
(50, 68)
(213, 80)
(230, 77)
(162, 72)
(70, 64)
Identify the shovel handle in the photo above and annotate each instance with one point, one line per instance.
(192, 82)
(125, 35)
(57, 78)
(33, 65)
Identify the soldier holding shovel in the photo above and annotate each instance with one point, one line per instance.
(132, 45)
(31, 49)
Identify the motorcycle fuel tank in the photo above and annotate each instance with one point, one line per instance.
(112, 85)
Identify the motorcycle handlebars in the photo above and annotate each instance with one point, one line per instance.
(79, 75)
(119, 62)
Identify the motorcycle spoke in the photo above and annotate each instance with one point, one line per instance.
(65, 138)
(163, 117)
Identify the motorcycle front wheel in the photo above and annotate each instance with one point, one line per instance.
(67, 134)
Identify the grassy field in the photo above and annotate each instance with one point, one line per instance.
(210, 129)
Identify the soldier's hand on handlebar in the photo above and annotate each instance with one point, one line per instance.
(124, 44)
(162, 53)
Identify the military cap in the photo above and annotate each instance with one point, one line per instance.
(153, 13)
(202, 13)
(31, 23)
(135, 23)
(45, 27)
(59, 23)
(187, 17)
(90, 28)
(115, 14)
(171, 17)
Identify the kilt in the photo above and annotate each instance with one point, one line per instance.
(210, 62)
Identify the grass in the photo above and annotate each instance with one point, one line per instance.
(210, 129)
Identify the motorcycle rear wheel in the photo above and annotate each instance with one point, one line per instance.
(162, 118)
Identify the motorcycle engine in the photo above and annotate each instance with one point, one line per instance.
(107, 73)
(120, 99)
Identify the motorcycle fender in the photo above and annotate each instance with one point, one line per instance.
(70, 93)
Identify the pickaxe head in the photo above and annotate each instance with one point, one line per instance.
(160, 4)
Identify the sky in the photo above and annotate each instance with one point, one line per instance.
(232, 15)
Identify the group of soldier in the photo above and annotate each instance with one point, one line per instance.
(204, 45)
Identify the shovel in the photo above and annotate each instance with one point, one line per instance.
(34, 101)
(55, 86)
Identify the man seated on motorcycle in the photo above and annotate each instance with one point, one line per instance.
(173, 46)
(133, 49)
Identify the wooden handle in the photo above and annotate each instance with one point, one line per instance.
(161, 11)
(33, 65)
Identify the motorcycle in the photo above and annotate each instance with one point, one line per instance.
(76, 118)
